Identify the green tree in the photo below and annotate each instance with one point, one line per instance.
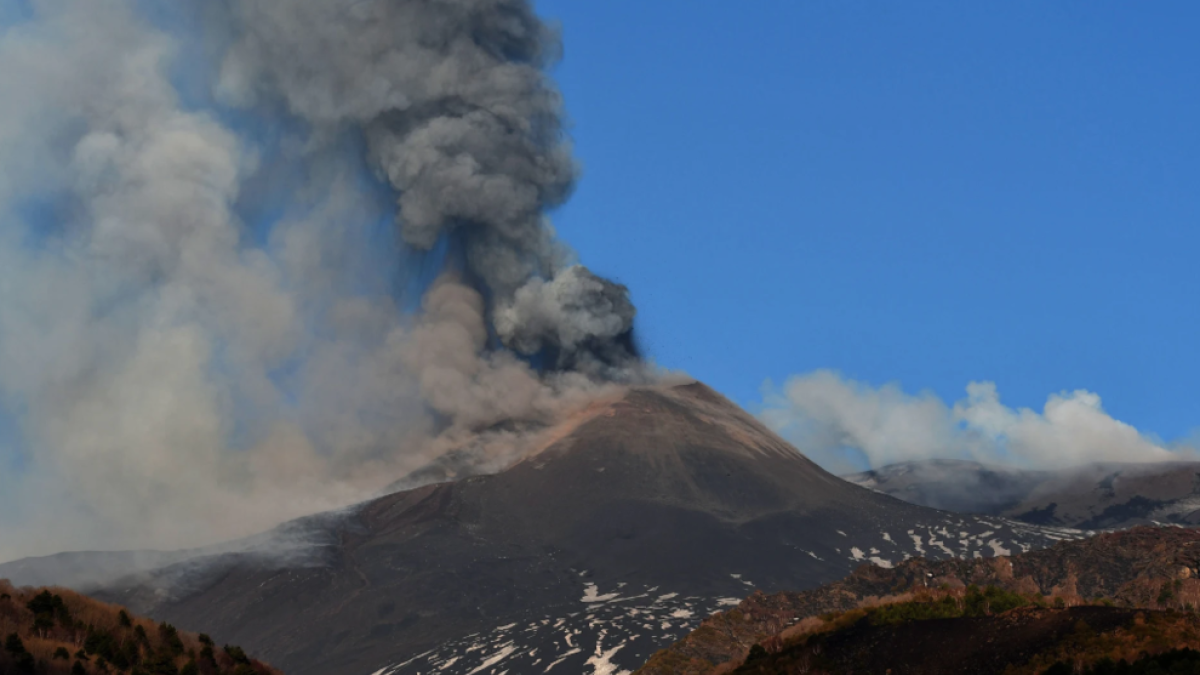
(25, 664)
(237, 654)
(170, 639)
(160, 663)
(14, 645)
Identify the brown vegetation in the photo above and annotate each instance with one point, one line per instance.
(53, 631)
(1144, 568)
(1023, 641)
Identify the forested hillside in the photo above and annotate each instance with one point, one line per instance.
(53, 631)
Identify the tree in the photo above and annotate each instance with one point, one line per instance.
(22, 659)
(237, 654)
(14, 645)
(161, 663)
(170, 638)
(25, 664)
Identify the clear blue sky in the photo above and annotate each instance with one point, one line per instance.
(921, 192)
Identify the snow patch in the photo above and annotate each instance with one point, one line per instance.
(917, 542)
(590, 594)
(997, 549)
(495, 658)
(601, 661)
(562, 658)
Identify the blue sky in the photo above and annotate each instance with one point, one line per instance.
(925, 193)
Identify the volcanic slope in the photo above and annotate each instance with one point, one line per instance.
(641, 516)
(1093, 496)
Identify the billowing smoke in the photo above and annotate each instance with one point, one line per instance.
(213, 220)
(460, 119)
(850, 426)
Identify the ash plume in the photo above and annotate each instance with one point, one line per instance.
(462, 122)
(212, 216)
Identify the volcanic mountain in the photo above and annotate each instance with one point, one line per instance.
(636, 518)
(1091, 497)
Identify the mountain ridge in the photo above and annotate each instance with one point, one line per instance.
(1103, 495)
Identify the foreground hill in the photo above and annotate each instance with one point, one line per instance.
(635, 519)
(1090, 497)
(56, 631)
(1144, 568)
(1025, 640)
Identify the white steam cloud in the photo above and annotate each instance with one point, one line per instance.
(842, 424)
(201, 332)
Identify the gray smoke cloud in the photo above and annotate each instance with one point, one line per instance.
(173, 374)
(461, 120)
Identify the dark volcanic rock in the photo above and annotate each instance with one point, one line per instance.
(644, 515)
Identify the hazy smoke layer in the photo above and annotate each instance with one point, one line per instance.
(201, 326)
(849, 426)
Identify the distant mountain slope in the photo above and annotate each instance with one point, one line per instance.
(52, 631)
(639, 517)
(1152, 568)
(1091, 497)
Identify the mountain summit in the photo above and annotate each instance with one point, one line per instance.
(639, 516)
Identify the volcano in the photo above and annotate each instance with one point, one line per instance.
(637, 517)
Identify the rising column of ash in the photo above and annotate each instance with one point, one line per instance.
(462, 121)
